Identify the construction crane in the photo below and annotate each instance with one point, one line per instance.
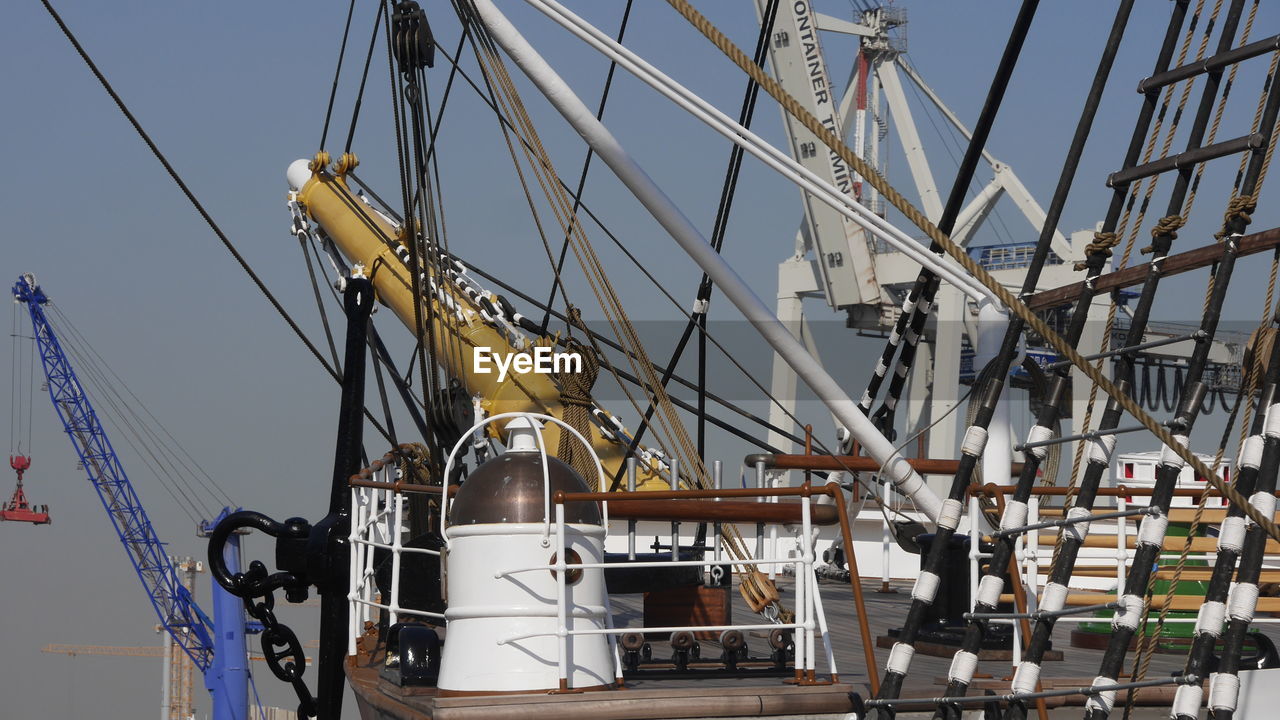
(177, 703)
(153, 651)
(218, 655)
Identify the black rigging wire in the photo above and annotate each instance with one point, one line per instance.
(195, 202)
(110, 379)
(578, 203)
(337, 73)
(698, 319)
(379, 349)
(315, 290)
(364, 77)
(586, 166)
(618, 243)
(110, 408)
(382, 391)
(633, 379)
(426, 371)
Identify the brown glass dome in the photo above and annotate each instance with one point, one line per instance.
(508, 489)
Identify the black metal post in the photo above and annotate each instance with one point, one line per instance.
(330, 535)
(1147, 553)
(892, 683)
(926, 285)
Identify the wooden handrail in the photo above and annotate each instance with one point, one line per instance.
(1172, 265)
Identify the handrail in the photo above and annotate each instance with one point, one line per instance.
(993, 490)
(853, 463)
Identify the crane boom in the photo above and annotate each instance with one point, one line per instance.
(177, 610)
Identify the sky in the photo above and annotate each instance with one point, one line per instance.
(232, 92)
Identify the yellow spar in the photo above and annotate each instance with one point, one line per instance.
(369, 240)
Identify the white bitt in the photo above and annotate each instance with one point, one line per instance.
(1169, 458)
(1251, 455)
(1105, 700)
(975, 440)
(1271, 424)
(989, 588)
(1129, 614)
(900, 658)
(926, 587)
(1015, 515)
(1053, 598)
(949, 517)
(1153, 529)
(1231, 535)
(1101, 449)
(1078, 530)
(1264, 503)
(1039, 434)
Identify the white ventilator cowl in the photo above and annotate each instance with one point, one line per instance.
(522, 435)
(298, 174)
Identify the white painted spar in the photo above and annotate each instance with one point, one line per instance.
(997, 457)
(776, 159)
(695, 245)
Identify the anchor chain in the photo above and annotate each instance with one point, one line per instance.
(280, 643)
(256, 588)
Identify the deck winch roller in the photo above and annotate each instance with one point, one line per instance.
(503, 615)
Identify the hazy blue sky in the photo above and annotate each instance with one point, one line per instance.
(234, 91)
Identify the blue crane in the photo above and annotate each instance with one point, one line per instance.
(216, 648)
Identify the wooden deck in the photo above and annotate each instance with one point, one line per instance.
(652, 698)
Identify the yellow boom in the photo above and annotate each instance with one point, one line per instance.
(369, 240)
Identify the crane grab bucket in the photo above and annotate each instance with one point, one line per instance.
(18, 509)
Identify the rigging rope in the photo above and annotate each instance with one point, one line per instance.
(755, 588)
(199, 207)
(648, 274)
(1016, 306)
(337, 73)
(1237, 213)
(364, 77)
(575, 396)
(582, 176)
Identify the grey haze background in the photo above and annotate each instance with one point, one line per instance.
(234, 91)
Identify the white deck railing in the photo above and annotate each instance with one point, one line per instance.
(379, 522)
(1027, 551)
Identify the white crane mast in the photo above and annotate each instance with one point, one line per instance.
(879, 75)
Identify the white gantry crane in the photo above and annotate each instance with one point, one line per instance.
(835, 259)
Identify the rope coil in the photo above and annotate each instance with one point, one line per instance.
(1239, 208)
(575, 397)
(1167, 227)
(916, 217)
(1102, 244)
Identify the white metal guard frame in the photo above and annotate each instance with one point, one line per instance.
(1028, 555)
(809, 623)
(377, 523)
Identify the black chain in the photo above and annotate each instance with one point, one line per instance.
(257, 587)
(280, 646)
